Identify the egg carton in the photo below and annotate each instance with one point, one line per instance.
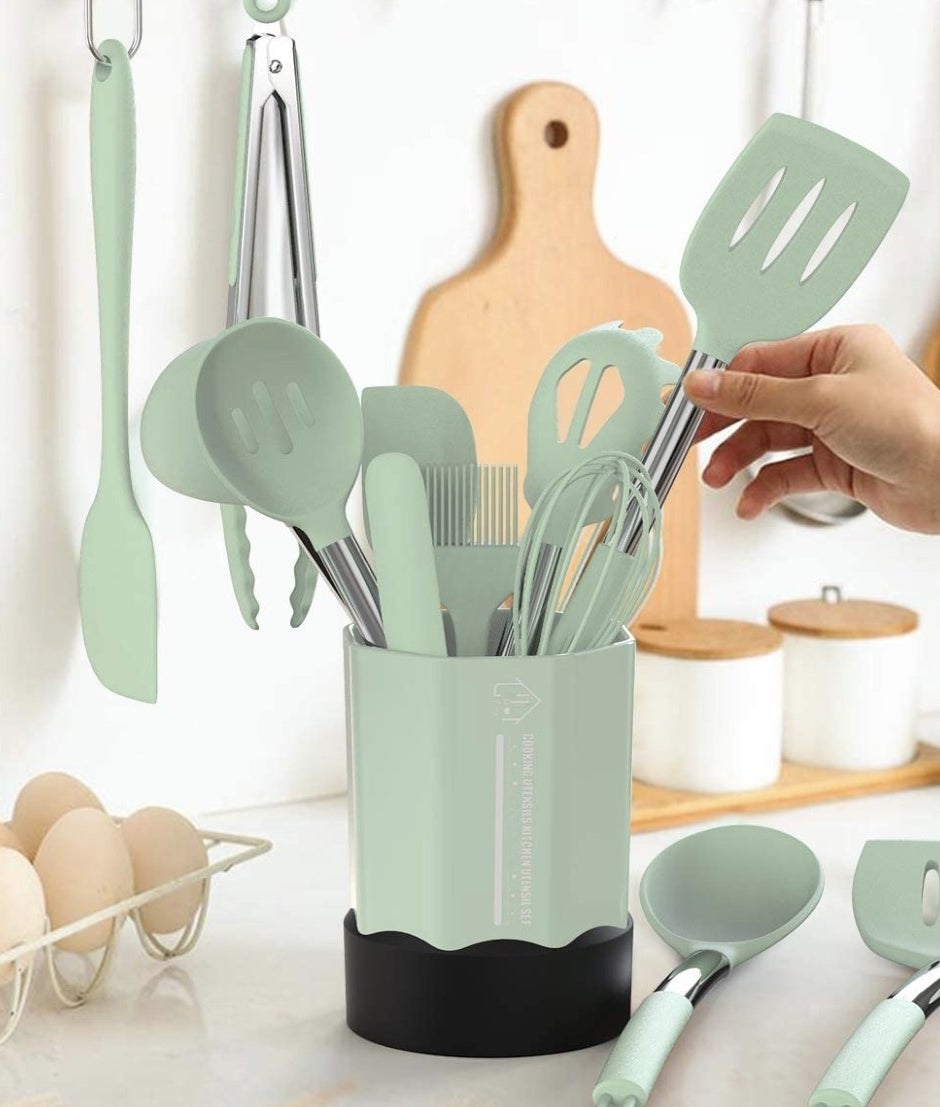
(237, 849)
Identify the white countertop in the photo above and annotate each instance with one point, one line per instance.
(253, 1017)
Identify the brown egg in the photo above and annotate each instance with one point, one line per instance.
(164, 846)
(9, 840)
(84, 867)
(42, 802)
(22, 906)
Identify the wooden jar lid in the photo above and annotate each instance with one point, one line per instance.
(706, 639)
(838, 618)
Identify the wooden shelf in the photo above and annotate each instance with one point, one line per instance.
(798, 786)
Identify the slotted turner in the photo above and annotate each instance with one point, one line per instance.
(745, 287)
(888, 897)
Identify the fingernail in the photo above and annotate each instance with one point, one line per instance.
(746, 509)
(703, 383)
(713, 475)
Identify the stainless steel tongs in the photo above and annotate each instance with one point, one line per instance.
(271, 267)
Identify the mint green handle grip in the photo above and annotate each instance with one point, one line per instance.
(404, 556)
(641, 1050)
(866, 1058)
(113, 173)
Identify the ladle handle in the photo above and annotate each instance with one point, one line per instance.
(866, 1058)
(641, 1050)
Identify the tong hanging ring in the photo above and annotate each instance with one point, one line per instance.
(260, 15)
(90, 31)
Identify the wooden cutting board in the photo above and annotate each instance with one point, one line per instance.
(486, 334)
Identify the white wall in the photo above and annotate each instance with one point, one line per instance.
(400, 97)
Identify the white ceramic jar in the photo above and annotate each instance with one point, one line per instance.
(850, 682)
(709, 705)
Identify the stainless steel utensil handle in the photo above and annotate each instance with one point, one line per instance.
(923, 989)
(350, 576)
(545, 565)
(670, 444)
(697, 975)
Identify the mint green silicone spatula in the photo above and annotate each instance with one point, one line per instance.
(404, 556)
(719, 898)
(898, 919)
(117, 569)
(823, 205)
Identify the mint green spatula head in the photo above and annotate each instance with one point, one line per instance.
(888, 901)
(427, 424)
(734, 889)
(766, 281)
(281, 425)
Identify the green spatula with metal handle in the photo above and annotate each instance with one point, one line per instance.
(117, 570)
(404, 556)
(719, 898)
(897, 920)
(831, 202)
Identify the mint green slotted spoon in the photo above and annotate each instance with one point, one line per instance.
(896, 920)
(719, 898)
(117, 567)
(774, 279)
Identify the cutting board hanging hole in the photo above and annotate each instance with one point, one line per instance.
(556, 134)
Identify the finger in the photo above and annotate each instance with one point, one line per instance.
(734, 395)
(792, 358)
(785, 478)
(748, 443)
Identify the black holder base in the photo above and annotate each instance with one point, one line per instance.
(495, 999)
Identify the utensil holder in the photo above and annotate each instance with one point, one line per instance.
(490, 822)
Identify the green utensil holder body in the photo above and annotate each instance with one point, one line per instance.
(490, 818)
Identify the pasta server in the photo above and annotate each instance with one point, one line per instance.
(787, 231)
(719, 898)
(271, 265)
(898, 919)
(642, 375)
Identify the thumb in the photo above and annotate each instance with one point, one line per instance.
(755, 396)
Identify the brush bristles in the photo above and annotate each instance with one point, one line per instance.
(473, 505)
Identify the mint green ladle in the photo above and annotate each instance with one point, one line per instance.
(718, 898)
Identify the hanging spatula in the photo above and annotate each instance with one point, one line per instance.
(117, 569)
(897, 918)
(823, 206)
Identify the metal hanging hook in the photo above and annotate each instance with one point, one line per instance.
(90, 31)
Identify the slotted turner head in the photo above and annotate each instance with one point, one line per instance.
(735, 889)
(744, 290)
(889, 902)
(281, 425)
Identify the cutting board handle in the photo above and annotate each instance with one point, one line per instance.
(547, 137)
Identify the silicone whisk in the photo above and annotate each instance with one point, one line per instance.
(598, 587)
